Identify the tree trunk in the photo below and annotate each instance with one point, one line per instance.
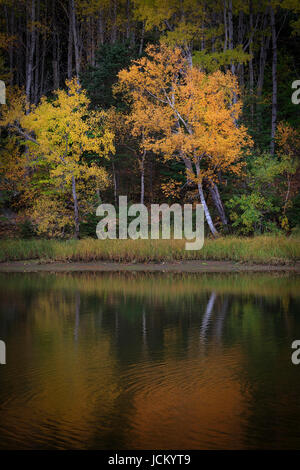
(241, 32)
(75, 37)
(42, 84)
(189, 56)
(202, 199)
(142, 166)
(30, 55)
(214, 192)
(206, 211)
(215, 196)
(265, 41)
(128, 20)
(115, 183)
(100, 30)
(113, 37)
(151, 181)
(37, 61)
(251, 72)
(55, 38)
(20, 58)
(274, 80)
(225, 25)
(142, 39)
(230, 33)
(70, 45)
(92, 42)
(76, 210)
(10, 31)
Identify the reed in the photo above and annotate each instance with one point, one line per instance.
(260, 249)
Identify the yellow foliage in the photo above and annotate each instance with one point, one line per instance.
(171, 189)
(64, 129)
(12, 166)
(51, 216)
(6, 40)
(186, 113)
(288, 139)
(57, 133)
(14, 109)
(284, 222)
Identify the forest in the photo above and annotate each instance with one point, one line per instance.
(164, 101)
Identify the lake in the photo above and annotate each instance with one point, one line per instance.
(149, 361)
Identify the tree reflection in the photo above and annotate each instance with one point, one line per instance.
(136, 373)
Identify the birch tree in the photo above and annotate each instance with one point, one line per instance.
(188, 115)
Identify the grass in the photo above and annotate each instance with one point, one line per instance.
(270, 249)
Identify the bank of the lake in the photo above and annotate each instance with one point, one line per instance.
(31, 266)
(264, 250)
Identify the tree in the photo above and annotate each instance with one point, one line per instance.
(270, 183)
(188, 115)
(99, 79)
(288, 141)
(58, 134)
(274, 77)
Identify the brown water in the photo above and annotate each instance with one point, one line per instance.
(156, 361)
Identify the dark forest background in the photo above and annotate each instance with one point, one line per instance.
(45, 42)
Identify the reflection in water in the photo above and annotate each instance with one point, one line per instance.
(77, 315)
(116, 361)
(207, 315)
(221, 318)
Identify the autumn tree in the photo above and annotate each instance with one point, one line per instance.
(288, 140)
(188, 114)
(59, 133)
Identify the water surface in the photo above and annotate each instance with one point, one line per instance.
(149, 361)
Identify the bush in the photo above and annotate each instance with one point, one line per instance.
(26, 229)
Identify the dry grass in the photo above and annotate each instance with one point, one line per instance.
(261, 249)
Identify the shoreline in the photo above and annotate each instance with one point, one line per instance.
(196, 266)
